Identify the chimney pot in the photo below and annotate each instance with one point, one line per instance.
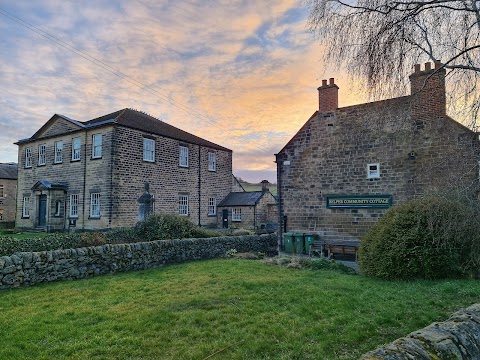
(428, 66)
(327, 96)
(417, 68)
(438, 65)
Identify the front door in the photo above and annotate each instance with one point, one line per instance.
(42, 211)
(225, 218)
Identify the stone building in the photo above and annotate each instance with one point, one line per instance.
(92, 174)
(249, 209)
(8, 191)
(346, 166)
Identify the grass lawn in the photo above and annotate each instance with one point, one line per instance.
(221, 309)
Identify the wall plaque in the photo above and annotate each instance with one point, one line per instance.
(358, 201)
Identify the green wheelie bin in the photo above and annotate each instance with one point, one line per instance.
(288, 242)
(299, 243)
(309, 239)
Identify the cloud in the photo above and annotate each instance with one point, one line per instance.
(241, 73)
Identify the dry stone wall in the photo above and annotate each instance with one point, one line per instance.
(29, 268)
(456, 338)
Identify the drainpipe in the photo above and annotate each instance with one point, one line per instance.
(199, 184)
(84, 180)
(281, 222)
(112, 144)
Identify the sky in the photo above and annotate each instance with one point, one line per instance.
(240, 73)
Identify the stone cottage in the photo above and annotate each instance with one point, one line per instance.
(8, 191)
(249, 209)
(346, 166)
(92, 174)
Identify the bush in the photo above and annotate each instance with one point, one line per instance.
(310, 263)
(169, 226)
(427, 238)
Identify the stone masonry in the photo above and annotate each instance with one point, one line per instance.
(119, 174)
(8, 191)
(456, 338)
(29, 268)
(418, 148)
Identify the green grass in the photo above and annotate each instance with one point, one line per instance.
(258, 187)
(241, 309)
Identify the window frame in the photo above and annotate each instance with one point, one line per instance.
(95, 205)
(74, 200)
(149, 151)
(212, 161)
(28, 157)
(75, 150)
(58, 152)
(97, 146)
(26, 207)
(183, 207)
(370, 173)
(183, 155)
(212, 205)
(236, 214)
(42, 154)
(2, 191)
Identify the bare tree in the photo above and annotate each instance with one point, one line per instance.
(381, 40)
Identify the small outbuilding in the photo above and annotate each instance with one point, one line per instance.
(249, 209)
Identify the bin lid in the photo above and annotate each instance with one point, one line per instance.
(297, 234)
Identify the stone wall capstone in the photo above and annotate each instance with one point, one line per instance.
(29, 268)
(456, 338)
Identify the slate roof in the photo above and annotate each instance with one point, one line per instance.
(250, 198)
(45, 184)
(140, 121)
(136, 120)
(8, 171)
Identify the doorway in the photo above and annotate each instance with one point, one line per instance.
(42, 211)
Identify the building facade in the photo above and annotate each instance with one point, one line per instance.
(91, 175)
(249, 209)
(8, 191)
(346, 166)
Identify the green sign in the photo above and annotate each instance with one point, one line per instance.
(359, 201)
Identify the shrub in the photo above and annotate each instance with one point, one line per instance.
(310, 263)
(426, 238)
(169, 226)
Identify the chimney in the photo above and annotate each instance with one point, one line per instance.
(327, 96)
(265, 186)
(428, 91)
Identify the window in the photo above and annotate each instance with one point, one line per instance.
(42, 154)
(148, 150)
(26, 207)
(74, 205)
(236, 214)
(95, 205)
(212, 161)
(183, 204)
(58, 208)
(28, 157)
(2, 194)
(183, 156)
(58, 152)
(212, 208)
(96, 146)
(1, 214)
(76, 149)
(373, 171)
